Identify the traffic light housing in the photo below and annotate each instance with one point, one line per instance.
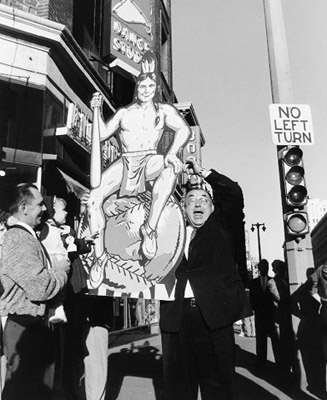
(295, 191)
(297, 223)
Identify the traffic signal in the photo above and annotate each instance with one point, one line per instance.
(297, 223)
(296, 194)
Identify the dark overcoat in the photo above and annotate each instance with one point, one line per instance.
(211, 267)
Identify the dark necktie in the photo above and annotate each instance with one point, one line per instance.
(193, 233)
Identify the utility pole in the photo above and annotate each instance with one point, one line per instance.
(298, 251)
(257, 225)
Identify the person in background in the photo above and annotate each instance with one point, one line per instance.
(306, 306)
(29, 282)
(319, 280)
(248, 324)
(51, 236)
(197, 325)
(278, 287)
(263, 306)
(3, 228)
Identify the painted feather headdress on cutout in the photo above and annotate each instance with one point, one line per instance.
(148, 63)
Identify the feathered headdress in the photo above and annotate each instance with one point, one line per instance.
(148, 63)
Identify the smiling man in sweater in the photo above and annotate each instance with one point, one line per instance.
(29, 281)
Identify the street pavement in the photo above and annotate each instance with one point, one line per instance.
(135, 371)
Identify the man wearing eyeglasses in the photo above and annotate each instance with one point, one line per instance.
(197, 326)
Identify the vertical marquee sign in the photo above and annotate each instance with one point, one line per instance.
(131, 32)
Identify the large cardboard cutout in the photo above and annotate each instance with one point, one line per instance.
(132, 206)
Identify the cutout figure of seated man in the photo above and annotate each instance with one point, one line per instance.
(140, 127)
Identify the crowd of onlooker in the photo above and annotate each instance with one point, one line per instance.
(50, 325)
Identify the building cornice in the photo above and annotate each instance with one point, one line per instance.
(63, 47)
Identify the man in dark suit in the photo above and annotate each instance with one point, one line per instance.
(197, 326)
(262, 303)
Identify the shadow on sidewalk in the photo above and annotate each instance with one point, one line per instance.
(143, 361)
(264, 382)
(253, 383)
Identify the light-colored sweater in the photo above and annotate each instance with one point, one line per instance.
(27, 281)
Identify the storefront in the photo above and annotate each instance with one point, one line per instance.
(44, 78)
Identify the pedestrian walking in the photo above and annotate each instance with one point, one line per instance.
(279, 289)
(262, 304)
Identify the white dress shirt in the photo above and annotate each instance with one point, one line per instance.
(189, 230)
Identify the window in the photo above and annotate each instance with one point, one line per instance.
(21, 117)
(87, 24)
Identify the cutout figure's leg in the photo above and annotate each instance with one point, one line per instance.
(162, 189)
(110, 183)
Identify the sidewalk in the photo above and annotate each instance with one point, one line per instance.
(135, 372)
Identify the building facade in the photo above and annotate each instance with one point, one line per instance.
(319, 241)
(316, 209)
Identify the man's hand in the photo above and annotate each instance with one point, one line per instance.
(90, 238)
(96, 100)
(85, 198)
(192, 166)
(61, 262)
(175, 162)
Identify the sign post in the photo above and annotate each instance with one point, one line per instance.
(291, 126)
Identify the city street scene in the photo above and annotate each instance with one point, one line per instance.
(163, 209)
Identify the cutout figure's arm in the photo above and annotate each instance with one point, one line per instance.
(176, 122)
(106, 128)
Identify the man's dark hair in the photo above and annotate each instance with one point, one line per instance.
(263, 264)
(279, 265)
(20, 194)
(4, 217)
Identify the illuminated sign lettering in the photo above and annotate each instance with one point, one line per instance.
(129, 43)
(79, 125)
(131, 31)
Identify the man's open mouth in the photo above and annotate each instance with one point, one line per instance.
(198, 213)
